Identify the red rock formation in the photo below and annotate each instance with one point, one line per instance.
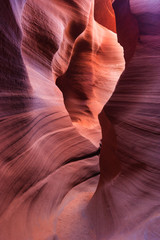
(104, 14)
(91, 75)
(49, 156)
(127, 197)
(46, 163)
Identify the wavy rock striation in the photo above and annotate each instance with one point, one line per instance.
(60, 62)
(127, 197)
(49, 155)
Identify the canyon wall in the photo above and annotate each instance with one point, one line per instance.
(60, 63)
(127, 197)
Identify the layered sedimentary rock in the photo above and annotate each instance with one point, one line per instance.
(60, 62)
(46, 162)
(127, 197)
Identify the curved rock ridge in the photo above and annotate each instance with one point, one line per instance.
(85, 58)
(53, 183)
(48, 165)
(127, 197)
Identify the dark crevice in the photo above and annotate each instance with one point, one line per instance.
(89, 155)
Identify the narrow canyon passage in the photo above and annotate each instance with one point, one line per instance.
(79, 120)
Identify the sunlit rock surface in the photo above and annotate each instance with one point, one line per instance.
(60, 62)
(50, 139)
